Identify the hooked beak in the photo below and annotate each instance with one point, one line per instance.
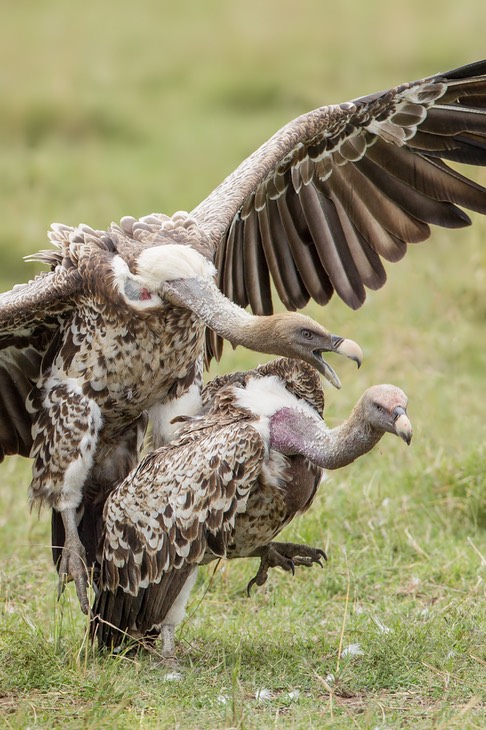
(348, 348)
(403, 426)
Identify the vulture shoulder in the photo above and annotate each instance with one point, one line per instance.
(31, 315)
(298, 377)
(44, 299)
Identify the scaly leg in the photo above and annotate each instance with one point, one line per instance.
(73, 560)
(285, 555)
(168, 642)
(175, 614)
(65, 430)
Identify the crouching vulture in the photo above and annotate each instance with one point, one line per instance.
(116, 328)
(232, 478)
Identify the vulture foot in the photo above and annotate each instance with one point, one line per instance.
(73, 567)
(285, 555)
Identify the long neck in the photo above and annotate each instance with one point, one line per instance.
(296, 433)
(219, 313)
(345, 443)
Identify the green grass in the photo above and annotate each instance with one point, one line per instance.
(108, 109)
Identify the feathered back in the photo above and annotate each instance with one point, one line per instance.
(300, 378)
(198, 484)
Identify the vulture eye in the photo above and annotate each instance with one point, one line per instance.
(307, 334)
(379, 407)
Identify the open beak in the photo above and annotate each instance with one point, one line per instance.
(403, 426)
(325, 369)
(348, 348)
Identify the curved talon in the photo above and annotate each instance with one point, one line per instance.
(61, 585)
(258, 579)
(250, 585)
(72, 567)
(82, 593)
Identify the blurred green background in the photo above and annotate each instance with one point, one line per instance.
(112, 108)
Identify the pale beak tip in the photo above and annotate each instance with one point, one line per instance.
(403, 428)
(350, 349)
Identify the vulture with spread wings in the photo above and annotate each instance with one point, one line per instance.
(117, 327)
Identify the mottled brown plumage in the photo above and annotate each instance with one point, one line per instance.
(233, 477)
(110, 332)
(81, 366)
(335, 190)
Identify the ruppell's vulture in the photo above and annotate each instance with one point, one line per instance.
(232, 478)
(116, 327)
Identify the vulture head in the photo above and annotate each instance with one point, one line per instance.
(384, 408)
(294, 427)
(297, 336)
(185, 278)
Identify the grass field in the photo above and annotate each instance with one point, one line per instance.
(109, 109)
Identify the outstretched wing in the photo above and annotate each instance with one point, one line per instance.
(45, 298)
(180, 501)
(318, 206)
(29, 319)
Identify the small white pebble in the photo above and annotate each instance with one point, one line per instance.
(358, 609)
(352, 650)
(263, 694)
(223, 699)
(173, 677)
(330, 679)
(294, 694)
